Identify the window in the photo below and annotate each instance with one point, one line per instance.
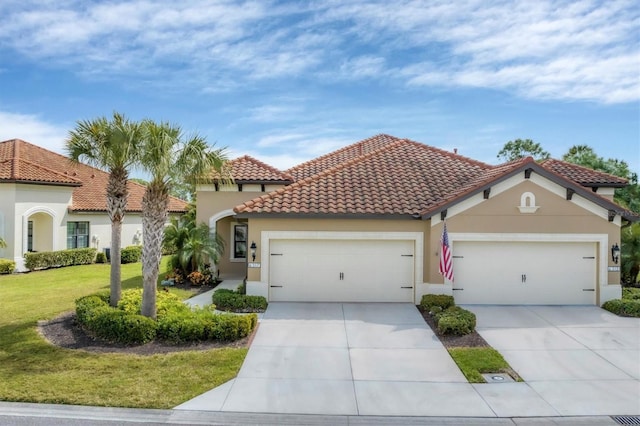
(77, 235)
(30, 236)
(239, 242)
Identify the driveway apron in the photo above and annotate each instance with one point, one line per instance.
(345, 359)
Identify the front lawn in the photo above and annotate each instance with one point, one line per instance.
(32, 370)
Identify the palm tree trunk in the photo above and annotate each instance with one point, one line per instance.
(117, 195)
(115, 277)
(154, 217)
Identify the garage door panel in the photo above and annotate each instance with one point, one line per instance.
(341, 270)
(525, 272)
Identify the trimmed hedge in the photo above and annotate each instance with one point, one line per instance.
(113, 324)
(442, 301)
(455, 320)
(176, 323)
(7, 266)
(623, 307)
(231, 301)
(101, 257)
(131, 254)
(54, 259)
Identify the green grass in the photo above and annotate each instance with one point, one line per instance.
(32, 370)
(473, 362)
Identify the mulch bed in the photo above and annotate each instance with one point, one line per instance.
(472, 340)
(65, 332)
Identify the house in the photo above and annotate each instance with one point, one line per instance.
(49, 203)
(364, 224)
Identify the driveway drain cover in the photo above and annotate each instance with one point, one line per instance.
(627, 420)
(497, 378)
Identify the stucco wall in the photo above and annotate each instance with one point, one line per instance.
(211, 203)
(500, 214)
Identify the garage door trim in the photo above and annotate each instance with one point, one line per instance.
(267, 236)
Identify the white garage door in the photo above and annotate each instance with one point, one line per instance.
(530, 273)
(341, 270)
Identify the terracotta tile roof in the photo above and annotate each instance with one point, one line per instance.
(340, 156)
(247, 169)
(391, 177)
(583, 175)
(23, 162)
(400, 178)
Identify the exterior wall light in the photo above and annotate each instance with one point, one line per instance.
(615, 253)
(253, 249)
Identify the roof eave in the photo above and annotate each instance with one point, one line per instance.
(376, 216)
(35, 182)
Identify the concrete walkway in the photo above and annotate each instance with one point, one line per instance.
(203, 299)
(383, 360)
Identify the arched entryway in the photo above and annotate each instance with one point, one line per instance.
(234, 232)
(38, 231)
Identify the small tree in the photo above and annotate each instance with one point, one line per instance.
(521, 148)
(165, 155)
(111, 145)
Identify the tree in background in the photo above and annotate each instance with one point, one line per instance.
(630, 253)
(166, 155)
(521, 148)
(628, 197)
(110, 145)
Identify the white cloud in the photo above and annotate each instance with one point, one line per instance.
(32, 129)
(584, 50)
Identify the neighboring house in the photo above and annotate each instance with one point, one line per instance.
(364, 223)
(49, 203)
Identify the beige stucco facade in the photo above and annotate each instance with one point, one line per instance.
(521, 209)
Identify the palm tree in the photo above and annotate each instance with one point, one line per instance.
(3, 243)
(111, 145)
(165, 155)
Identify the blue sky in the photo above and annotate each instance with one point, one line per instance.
(286, 81)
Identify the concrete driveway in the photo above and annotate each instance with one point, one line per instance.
(382, 359)
(581, 360)
(347, 359)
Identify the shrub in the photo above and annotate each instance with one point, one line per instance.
(197, 278)
(51, 259)
(118, 326)
(623, 307)
(242, 288)
(631, 293)
(204, 324)
(131, 254)
(456, 320)
(430, 300)
(228, 300)
(7, 266)
(231, 327)
(131, 302)
(113, 324)
(101, 257)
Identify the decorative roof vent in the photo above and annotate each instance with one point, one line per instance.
(528, 203)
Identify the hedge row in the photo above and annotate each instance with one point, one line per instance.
(54, 259)
(449, 318)
(7, 266)
(229, 300)
(176, 321)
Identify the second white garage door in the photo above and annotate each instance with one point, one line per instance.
(524, 273)
(341, 270)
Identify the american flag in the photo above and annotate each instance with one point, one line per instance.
(446, 262)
